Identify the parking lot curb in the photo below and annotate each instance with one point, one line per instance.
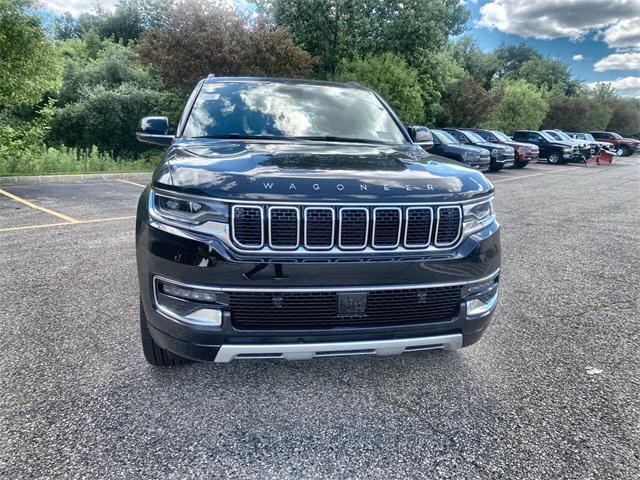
(79, 178)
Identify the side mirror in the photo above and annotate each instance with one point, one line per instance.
(422, 136)
(154, 130)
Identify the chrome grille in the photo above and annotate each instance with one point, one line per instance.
(354, 228)
(347, 228)
(386, 227)
(247, 226)
(319, 227)
(448, 225)
(419, 222)
(284, 227)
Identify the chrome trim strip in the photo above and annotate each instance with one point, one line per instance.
(327, 204)
(233, 226)
(271, 245)
(373, 228)
(333, 228)
(361, 288)
(168, 313)
(406, 227)
(305, 351)
(458, 237)
(366, 232)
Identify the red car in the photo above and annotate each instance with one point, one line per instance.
(525, 152)
(624, 146)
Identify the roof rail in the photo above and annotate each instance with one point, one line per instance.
(354, 84)
(211, 75)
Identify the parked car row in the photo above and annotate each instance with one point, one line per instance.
(492, 150)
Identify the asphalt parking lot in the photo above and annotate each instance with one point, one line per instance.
(551, 391)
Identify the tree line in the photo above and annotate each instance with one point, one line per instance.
(71, 93)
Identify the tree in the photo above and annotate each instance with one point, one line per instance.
(66, 27)
(510, 59)
(626, 117)
(200, 38)
(522, 106)
(479, 65)
(577, 114)
(334, 29)
(546, 73)
(28, 67)
(390, 76)
(467, 103)
(112, 66)
(108, 118)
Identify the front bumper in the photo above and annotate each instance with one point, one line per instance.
(208, 266)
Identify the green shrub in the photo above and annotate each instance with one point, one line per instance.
(108, 118)
(522, 106)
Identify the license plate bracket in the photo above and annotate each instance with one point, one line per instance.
(352, 304)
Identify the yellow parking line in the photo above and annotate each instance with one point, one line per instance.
(532, 175)
(77, 222)
(111, 219)
(37, 207)
(31, 227)
(132, 183)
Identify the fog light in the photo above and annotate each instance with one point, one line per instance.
(477, 307)
(206, 317)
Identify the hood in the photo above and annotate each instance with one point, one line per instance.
(495, 146)
(316, 172)
(517, 145)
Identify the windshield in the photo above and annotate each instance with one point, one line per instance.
(444, 137)
(553, 135)
(615, 135)
(548, 137)
(259, 109)
(501, 136)
(474, 137)
(564, 136)
(588, 136)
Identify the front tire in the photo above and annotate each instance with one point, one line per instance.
(625, 151)
(153, 353)
(554, 159)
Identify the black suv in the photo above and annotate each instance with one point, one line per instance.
(448, 146)
(502, 156)
(555, 151)
(300, 219)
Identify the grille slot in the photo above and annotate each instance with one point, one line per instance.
(449, 225)
(248, 226)
(354, 227)
(319, 227)
(308, 310)
(284, 227)
(386, 227)
(418, 227)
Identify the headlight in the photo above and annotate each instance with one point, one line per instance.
(477, 216)
(566, 149)
(184, 210)
(471, 156)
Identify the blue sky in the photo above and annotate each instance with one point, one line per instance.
(599, 39)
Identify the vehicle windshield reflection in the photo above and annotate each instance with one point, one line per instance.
(474, 137)
(444, 137)
(501, 136)
(279, 110)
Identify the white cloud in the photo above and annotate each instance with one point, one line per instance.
(625, 33)
(578, 57)
(618, 61)
(76, 7)
(548, 19)
(626, 86)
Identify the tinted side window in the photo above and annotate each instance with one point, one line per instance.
(534, 137)
(486, 135)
